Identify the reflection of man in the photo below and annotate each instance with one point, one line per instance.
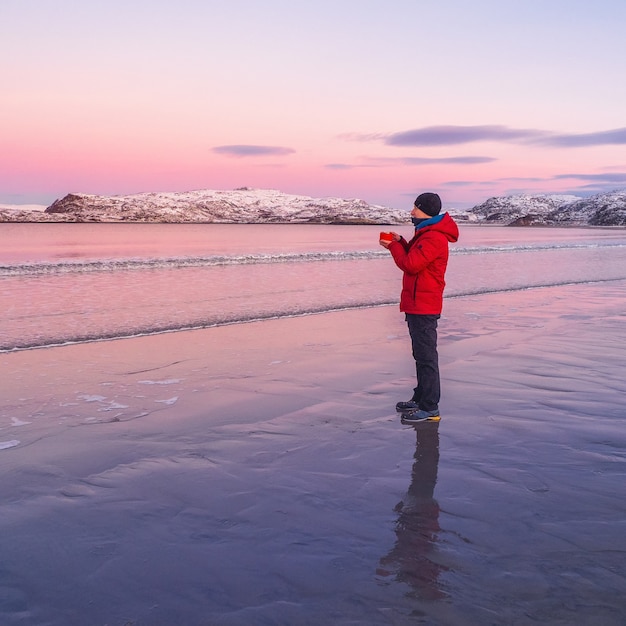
(417, 525)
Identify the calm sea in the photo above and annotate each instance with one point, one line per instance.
(63, 283)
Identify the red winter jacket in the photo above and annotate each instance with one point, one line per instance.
(424, 260)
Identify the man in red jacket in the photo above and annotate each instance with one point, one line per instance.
(423, 260)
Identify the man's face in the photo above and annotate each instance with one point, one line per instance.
(418, 213)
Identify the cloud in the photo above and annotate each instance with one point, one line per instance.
(410, 161)
(589, 184)
(362, 137)
(600, 181)
(613, 177)
(341, 166)
(460, 183)
(596, 183)
(468, 183)
(616, 136)
(252, 151)
(523, 179)
(454, 135)
(457, 135)
(459, 160)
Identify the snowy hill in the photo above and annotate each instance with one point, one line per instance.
(606, 209)
(238, 206)
(269, 206)
(22, 207)
(22, 212)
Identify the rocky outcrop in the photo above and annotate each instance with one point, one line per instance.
(519, 210)
(607, 209)
(207, 206)
(258, 206)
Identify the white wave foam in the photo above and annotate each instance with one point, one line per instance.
(157, 330)
(115, 265)
(112, 265)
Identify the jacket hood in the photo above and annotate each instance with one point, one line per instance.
(442, 223)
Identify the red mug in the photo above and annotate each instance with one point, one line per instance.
(386, 237)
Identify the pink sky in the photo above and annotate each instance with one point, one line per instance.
(365, 99)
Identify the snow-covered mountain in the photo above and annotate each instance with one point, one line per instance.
(269, 206)
(22, 213)
(238, 206)
(605, 209)
(22, 207)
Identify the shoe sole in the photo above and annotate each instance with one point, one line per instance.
(407, 420)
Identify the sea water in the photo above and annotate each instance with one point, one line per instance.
(330, 514)
(68, 283)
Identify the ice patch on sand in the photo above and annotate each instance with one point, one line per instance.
(171, 381)
(92, 398)
(9, 444)
(110, 405)
(169, 401)
(18, 422)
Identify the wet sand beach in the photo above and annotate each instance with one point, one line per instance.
(258, 474)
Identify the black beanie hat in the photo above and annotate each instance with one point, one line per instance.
(429, 203)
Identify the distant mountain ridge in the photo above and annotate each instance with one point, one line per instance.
(262, 206)
(242, 205)
(604, 209)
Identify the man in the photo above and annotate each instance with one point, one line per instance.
(423, 260)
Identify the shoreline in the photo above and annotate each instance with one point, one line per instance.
(277, 317)
(459, 218)
(259, 472)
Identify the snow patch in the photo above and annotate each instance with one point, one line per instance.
(18, 422)
(169, 401)
(605, 209)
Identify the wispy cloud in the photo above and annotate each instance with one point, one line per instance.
(595, 183)
(341, 166)
(410, 161)
(606, 179)
(583, 184)
(468, 183)
(243, 150)
(362, 137)
(523, 179)
(616, 136)
(457, 135)
(609, 177)
(459, 160)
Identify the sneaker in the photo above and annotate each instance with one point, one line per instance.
(420, 415)
(411, 405)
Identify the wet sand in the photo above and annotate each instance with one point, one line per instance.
(258, 474)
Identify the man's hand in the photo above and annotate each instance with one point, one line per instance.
(385, 244)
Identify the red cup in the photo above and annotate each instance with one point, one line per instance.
(386, 237)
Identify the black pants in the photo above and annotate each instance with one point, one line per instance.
(423, 331)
